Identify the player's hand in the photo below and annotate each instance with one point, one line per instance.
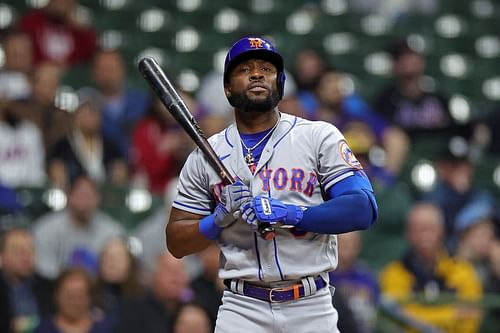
(272, 211)
(248, 215)
(232, 197)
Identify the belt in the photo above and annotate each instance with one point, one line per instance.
(307, 286)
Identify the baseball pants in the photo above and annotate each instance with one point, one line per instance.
(243, 314)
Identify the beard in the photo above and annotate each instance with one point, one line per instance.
(242, 102)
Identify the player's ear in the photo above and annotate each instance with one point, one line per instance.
(227, 90)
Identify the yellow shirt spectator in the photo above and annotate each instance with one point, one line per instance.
(423, 279)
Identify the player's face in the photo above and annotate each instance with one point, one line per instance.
(253, 86)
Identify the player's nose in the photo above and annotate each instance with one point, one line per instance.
(256, 74)
(256, 77)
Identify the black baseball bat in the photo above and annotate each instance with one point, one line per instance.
(161, 85)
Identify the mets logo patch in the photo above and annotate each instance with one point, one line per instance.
(348, 156)
(255, 43)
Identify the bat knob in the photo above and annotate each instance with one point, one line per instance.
(266, 231)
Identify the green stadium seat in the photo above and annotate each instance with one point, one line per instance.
(32, 199)
(77, 76)
(114, 203)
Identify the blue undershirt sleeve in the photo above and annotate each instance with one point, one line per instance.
(352, 206)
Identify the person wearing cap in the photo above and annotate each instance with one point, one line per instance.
(408, 102)
(455, 187)
(298, 184)
(475, 230)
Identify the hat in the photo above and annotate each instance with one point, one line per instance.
(455, 149)
(473, 213)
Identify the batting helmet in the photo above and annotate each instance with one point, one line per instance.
(255, 47)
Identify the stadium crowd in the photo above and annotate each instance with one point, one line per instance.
(81, 269)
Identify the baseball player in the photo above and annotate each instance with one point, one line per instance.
(299, 176)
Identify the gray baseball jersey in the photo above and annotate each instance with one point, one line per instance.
(301, 160)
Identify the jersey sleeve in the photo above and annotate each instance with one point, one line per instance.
(336, 161)
(193, 194)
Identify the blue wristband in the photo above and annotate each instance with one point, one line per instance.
(294, 214)
(208, 228)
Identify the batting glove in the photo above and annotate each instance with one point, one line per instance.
(232, 197)
(272, 211)
(248, 215)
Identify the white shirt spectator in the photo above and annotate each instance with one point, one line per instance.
(22, 155)
(58, 241)
(14, 85)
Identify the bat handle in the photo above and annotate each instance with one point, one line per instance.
(266, 231)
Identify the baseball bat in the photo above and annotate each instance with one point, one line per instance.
(163, 88)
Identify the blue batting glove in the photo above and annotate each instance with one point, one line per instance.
(274, 211)
(248, 215)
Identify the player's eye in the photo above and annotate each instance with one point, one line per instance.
(243, 69)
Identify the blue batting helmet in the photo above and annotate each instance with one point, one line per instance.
(255, 47)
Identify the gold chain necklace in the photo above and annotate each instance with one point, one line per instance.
(249, 159)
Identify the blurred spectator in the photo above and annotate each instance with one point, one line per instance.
(15, 73)
(406, 103)
(192, 318)
(454, 188)
(493, 123)
(346, 322)
(58, 35)
(12, 212)
(151, 233)
(211, 124)
(211, 95)
(427, 274)
(118, 277)
(491, 322)
(332, 104)
(25, 296)
(307, 69)
(22, 154)
(357, 284)
(475, 228)
(5, 311)
(159, 148)
(362, 142)
(154, 312)
(9, 202)
(493, 284)
(75, 310)
(208, 287)
(40, 107)
(121, 107)
(395, 9)
(84, 150)
(76, 235)
(292, 105)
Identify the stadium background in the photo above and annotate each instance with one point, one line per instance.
(459, 39)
